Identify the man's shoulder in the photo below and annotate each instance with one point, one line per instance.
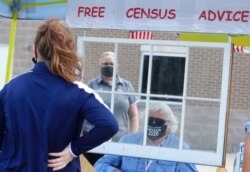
(173, 141)
(132, 138)
(94, 81)
(122, 80)
(125, 83)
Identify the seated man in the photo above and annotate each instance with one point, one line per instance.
(161, 126)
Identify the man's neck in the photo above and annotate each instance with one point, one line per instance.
(108, 80)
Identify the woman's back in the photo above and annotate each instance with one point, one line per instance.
(42, 111)
(43, 114)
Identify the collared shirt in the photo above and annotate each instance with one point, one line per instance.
(121, 101)
(109, 163)
(42, 113)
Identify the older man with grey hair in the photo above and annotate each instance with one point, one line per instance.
(160, 132)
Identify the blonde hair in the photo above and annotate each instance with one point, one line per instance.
(55, 44)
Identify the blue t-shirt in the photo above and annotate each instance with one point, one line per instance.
(42, 113)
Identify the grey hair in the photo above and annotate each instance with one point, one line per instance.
(163, 107)
(107, 53)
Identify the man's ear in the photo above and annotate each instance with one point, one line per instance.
(168, 130)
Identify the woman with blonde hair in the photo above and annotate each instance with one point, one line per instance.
(42, 111)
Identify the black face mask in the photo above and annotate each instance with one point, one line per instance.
(156, 128)
(107, 71)
(34, 59)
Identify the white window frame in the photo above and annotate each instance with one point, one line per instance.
(172, 51)
(181, 155)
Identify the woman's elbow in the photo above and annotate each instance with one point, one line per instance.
(113, 127)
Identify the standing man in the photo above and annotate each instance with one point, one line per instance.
(125, 106)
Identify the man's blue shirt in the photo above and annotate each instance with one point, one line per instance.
(109, 163)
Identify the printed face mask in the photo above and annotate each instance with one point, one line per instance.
(107, 71)
(156, 128)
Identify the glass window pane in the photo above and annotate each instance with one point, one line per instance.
(201, 124)
(167, 76)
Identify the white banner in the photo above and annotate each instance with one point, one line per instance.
(210, 16)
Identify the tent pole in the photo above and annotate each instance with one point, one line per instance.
(11, 46)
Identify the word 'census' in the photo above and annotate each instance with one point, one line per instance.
(170, 14)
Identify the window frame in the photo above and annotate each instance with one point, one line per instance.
(167, 52)
(180, 155)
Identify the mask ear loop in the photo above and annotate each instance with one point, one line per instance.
(34, 59)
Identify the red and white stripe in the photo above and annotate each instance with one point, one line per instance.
(238, 49)
(241, 49)
(140, 35)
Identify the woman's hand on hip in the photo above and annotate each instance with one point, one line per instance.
(61, 159)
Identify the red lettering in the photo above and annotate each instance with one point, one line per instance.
(203, 15)
(101, 12)
(211, 15)
(91, 12)
(137, 13)
(220, 16)
(244, 16)
(235, 18)
(154, 14)
(129, 13)
(141, 13)
(172, 14)
(94, 12)
(229, 16)
(144, 13)
(161, 15)
(87, 11)
(226, 15)
(80, 10)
